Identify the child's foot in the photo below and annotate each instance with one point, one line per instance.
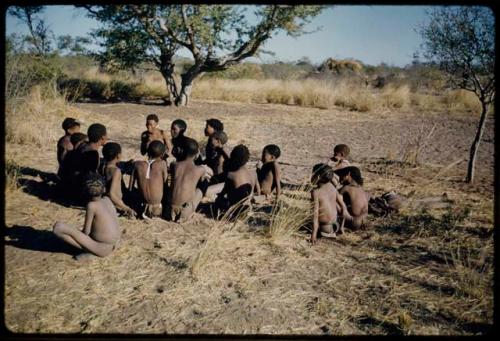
(85, 256)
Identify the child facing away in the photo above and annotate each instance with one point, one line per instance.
(70, 126)
(101, 231)
(339, 158)
(326, 203)
(269, 173)
(355, 198)
(151, 176)
(240, 182)
(153, 133)
(185, 187)
(114, 179)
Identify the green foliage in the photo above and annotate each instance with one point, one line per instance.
(240, 71)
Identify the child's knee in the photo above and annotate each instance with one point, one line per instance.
(58, 226)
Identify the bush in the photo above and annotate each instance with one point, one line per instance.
(239, 71)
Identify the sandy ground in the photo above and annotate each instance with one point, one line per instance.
(365, 283)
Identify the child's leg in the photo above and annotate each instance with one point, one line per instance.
(75, 237)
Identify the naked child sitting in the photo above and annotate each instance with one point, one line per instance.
(114, 179)
(153, 133)
(269, 174)
(151, 176)
(240, 182)
(326, 202)
(187, 189)
(339, 160)
(355, 198)
(101, 231)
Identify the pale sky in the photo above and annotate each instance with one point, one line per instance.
(372, 34)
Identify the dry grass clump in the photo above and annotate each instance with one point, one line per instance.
(12, 175)
(396, 96)
(289, 214)
(461, 100)
(36, 118)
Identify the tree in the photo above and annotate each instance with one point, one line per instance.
(217, 36)
(461, 42)
(40, 34)
(72, 46)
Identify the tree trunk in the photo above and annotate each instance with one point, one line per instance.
(187, 86)
(475, 145)
(167, 71)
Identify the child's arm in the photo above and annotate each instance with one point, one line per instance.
(144, 143)
(168, 142)
(171, 177)
(277, 179)
(257, 184)
(165, 172)
(340, 201)
(89, 217)
(132, 180)
(315, 202)
(115, 192)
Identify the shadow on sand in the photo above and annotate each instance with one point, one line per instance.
(29, 238)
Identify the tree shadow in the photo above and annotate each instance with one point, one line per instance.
(29, 238)
(45, 176)
(369, 323)
(151, 102)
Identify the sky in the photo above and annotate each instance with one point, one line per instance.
(371, 34)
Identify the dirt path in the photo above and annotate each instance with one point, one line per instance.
(367, 282)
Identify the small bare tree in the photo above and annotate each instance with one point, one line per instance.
(461, 41)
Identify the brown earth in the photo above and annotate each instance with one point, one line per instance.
(416, 273)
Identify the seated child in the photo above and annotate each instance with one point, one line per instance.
(339, 158)
(69, 167)
(151, 177)
(101, 231)
(355, 198)
(219, 154)
(178, 139)
(113, 175)
(153, 133)
(269, 174)
(240, 181)
(90, 159)
(213, 125)
(326, 202)
(70, 126)
(186, 194)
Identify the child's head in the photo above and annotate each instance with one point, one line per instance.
(77, 139)
(218, 139)
(270, 153)
(213, 125)
(178, 128)
(151, 122)
(322, 174)
(94, 185)
(97, 133)
(239, 156)
(156, 149)
(190, 149)
(70, 125)
(340, 152)
(349, 174)
(111, 151)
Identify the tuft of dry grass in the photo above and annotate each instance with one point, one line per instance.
(396, 97)
(36, 118)
(12, 176)
(461, 100)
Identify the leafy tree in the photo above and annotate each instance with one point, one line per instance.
(461, 42)
(40, 35)
(72, 46)
(217, 36)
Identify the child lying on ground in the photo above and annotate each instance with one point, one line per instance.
(101, 231)
(113, 175)
(326, 203)
(240, 182)
(186, 196)
(153, 133)
(355, 198)
(151, 177)
(269, 174)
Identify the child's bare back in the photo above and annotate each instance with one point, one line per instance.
(151, 185)
(357, 204)
(105, 228)
(186, 176)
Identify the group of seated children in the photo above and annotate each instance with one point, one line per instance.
(175, 189)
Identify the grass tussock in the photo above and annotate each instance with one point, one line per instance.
(12, 176)
(461, 100)
(35, 119)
